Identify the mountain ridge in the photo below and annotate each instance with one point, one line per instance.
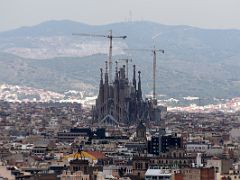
(116, 23)
(197, 62)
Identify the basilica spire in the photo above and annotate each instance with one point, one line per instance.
(139, 86)
(106, 72)
(116, 71)
(101, 80)
(134, 77)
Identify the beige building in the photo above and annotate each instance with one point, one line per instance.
(67, 175)
(221, 166)
(5, 173)
(230, 175)
(198, 174)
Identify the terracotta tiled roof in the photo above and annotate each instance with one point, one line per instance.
(97, 154)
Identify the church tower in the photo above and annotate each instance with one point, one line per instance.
(141, 132)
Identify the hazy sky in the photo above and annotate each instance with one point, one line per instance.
(201, 13)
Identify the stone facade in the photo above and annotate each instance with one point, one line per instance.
(121, 101)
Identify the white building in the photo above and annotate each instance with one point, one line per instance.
(158, 174)
(198, 147)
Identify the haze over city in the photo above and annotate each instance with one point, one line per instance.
(119, 90)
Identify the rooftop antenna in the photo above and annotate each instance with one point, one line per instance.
(130, 16)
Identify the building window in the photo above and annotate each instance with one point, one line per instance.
(146, 165)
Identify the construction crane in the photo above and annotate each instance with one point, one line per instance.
(110, 37)
(127, 61)
(154, 51)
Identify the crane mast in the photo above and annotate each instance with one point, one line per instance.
(155, 69)
(110, 56)
(154, 51)
(110, 37)
(154, 73)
